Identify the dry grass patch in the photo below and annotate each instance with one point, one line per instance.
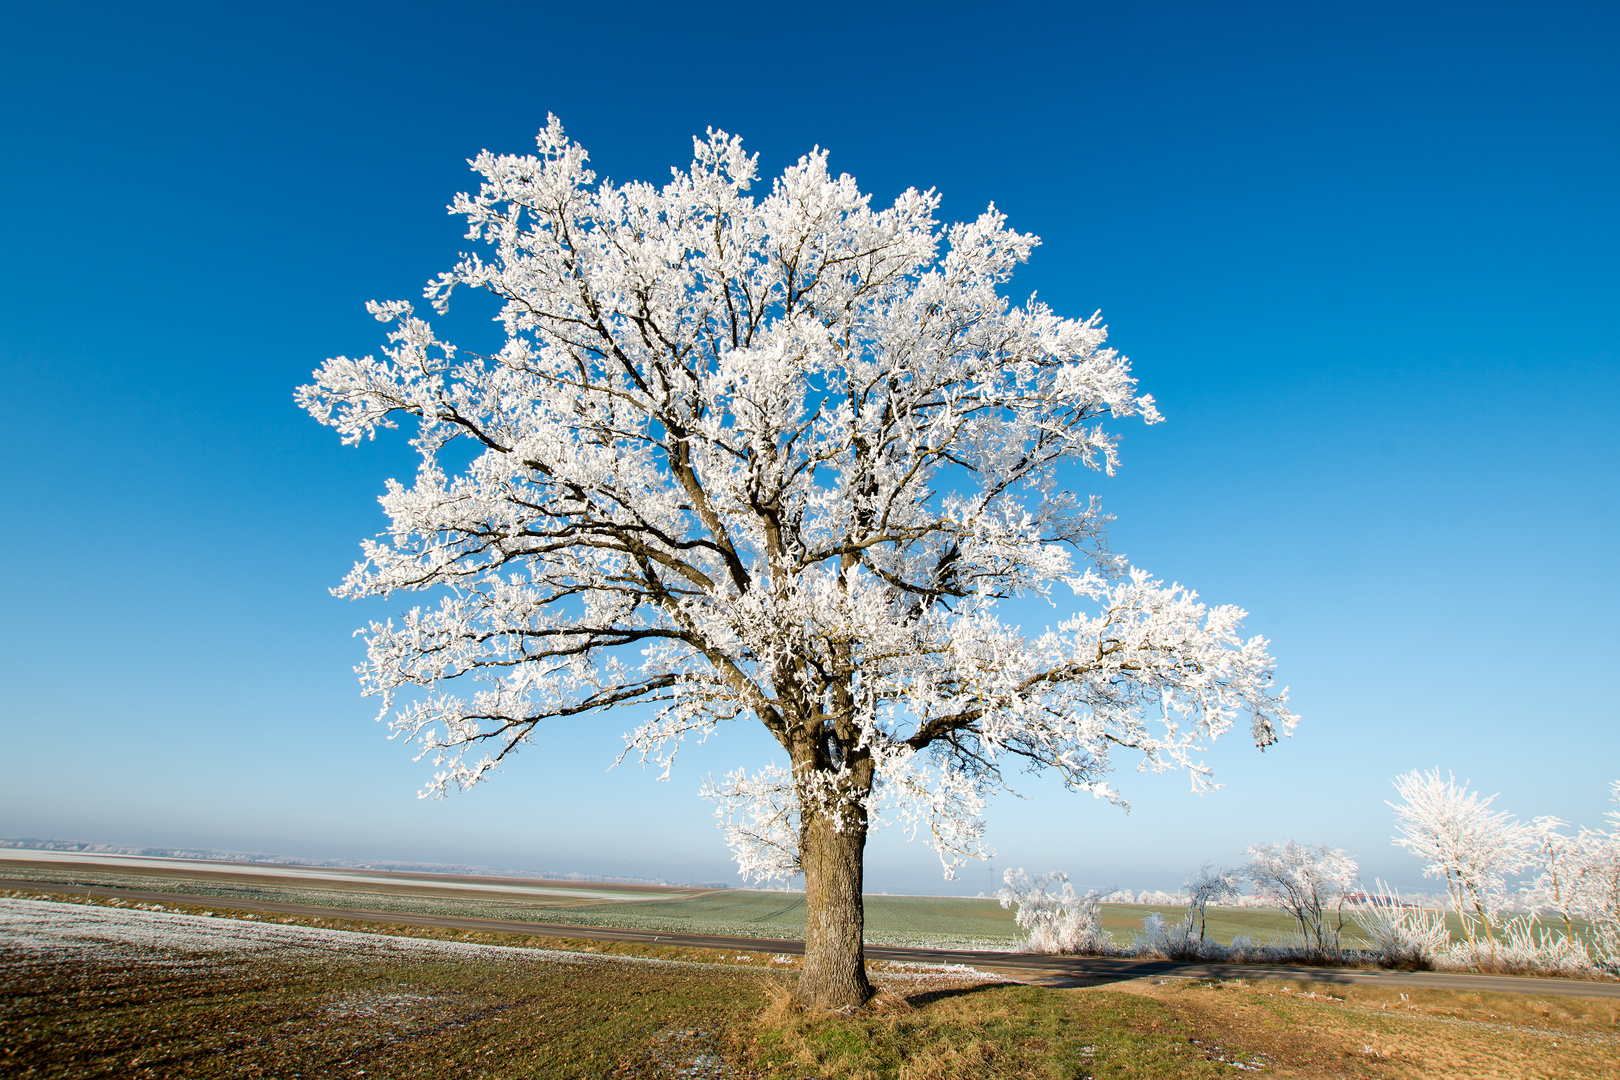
(1367, 1031)
(986, 1031)
(1181, 1028)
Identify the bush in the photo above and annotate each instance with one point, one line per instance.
(1526, 948)
(1403, 935)
(1056, 922)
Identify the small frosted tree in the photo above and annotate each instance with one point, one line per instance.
(1307, 881)
(1188, 938)
(1208, 886)
(775, 457)
(1463, 842)
(1561, 861)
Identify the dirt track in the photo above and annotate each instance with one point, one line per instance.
(1058, 971)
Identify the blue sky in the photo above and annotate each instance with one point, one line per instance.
(1367, 259)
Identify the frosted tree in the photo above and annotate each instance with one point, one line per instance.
(1597, 884)
(776, 457)
(1208, 886)
(1307, 881)
(1466, 844)
(1561, 861)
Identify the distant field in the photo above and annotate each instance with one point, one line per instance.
(936, 921)
(924, 921)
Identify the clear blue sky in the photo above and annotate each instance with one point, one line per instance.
(1367, 258)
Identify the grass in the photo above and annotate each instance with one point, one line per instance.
(1181, 1028)
(741, 912)
(751, 960)
(989, 1031)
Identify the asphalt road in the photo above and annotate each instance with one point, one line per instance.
(1056, 971)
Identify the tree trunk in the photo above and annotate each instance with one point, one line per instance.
(834, 975)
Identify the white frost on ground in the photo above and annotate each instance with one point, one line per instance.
(43, 931)
(540, 890)
(907, 978)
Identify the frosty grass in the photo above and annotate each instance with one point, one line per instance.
(41, 931)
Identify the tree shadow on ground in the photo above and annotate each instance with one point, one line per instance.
(928, 997)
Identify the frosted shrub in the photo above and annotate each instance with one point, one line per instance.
(1172, 941)
(1187, 939)
(1056, 921)
(1289, 949)
(1246, 950)
(1154, 937)
(1525, 948)
(1542, 950)
(1401, 935)
(1606, 912)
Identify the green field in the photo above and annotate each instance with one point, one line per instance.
(922, 921)
(926, 921)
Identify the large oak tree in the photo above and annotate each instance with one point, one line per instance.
(779, 458)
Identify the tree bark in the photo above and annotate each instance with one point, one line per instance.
(834, 975)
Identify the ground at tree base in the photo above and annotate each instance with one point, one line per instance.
(94, 991)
